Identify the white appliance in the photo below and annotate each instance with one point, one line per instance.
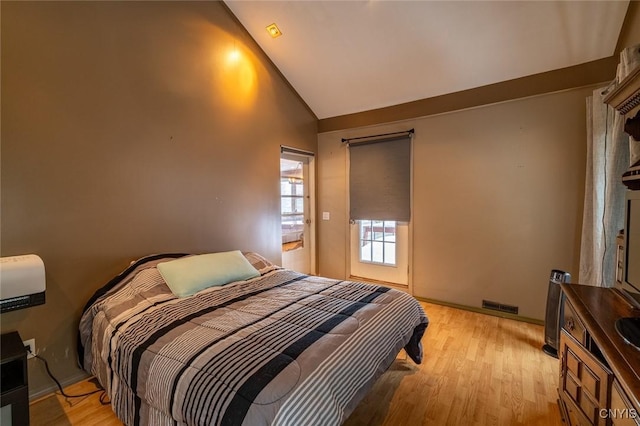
(22, 282)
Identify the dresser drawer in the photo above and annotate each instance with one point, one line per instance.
(584, 382)
(622, 413)
(572, 324)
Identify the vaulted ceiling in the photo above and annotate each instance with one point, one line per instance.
(345, 57)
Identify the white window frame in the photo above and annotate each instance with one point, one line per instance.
(363, 241)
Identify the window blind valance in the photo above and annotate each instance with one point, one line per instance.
(380, 178)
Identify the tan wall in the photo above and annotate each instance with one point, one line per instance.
(498, 193)
(630, 33)
(126, 132)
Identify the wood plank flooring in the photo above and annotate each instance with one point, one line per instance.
(478, 370)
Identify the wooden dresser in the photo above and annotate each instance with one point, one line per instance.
(599, 372)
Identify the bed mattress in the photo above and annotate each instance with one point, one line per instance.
(282, 348)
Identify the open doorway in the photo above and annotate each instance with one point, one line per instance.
(297, 206)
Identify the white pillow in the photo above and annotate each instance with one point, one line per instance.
(188, 275)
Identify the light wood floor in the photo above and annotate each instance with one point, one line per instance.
(478, 370)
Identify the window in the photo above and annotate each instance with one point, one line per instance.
(380, 171)
(378, 241)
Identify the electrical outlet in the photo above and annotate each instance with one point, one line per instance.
(31, 344)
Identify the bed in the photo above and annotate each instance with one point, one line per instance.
(277, 348)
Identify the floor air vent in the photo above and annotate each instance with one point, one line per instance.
(495, 306)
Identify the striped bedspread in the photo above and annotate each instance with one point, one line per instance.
(283, 348)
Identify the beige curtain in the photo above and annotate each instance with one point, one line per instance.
(608, 157)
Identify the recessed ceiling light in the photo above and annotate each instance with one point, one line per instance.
(274, 31)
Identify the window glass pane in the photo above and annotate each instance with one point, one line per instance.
(390, 253)
(286, 205)
(364, 229)
(365, 251)
(285, 187)
(377, 241)
(389, 228)
(378, 230)
(292, 205)
(377, 251)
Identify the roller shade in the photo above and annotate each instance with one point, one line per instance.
(380, 179)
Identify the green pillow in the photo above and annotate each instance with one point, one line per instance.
(188, 275)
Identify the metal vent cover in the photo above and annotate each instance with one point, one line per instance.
(501, 307)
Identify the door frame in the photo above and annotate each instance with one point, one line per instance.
(311, 167)
(409, 287)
